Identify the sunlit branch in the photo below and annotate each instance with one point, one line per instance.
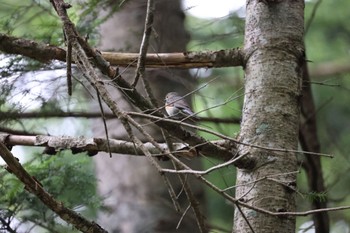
(206, 59)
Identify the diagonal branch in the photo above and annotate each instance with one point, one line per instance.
(34, 187)
(94, 145)
(140, 69)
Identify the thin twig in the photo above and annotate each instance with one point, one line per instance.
(104, 123)
(69, 67)
(193, 203)
(191, 171)
(61, 114)
(229, 138)
(189, 194)
(154, 163)
(260, 179)
(313, 13)
(182, 216)
(245, 218)
(140, 68)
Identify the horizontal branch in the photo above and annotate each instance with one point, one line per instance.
(222, 58)
(29, 48)
(207, 59)
(98, 144)
(44, 53)
(54, 144)
(35, 115)
(34, 187)
(191, 171)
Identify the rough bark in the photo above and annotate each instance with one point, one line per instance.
(274, 51)
(135, 195)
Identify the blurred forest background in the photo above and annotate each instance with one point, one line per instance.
(29, 86)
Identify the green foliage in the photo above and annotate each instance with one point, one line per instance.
(215, 101)
(215, 34)
(320, 197)
(35, 19)
(328, 35)
(30, 19)
(220, 212)
(68, 179)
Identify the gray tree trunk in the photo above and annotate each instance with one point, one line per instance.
(134, 194)
(274, 50)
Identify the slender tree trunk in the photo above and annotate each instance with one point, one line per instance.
(134, 194)
(274, 53)
(312, 164)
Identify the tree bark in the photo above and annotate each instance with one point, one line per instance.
(134, 193)
(274, 53)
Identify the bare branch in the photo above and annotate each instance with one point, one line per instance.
(309, 212)
(191, 171)
(230, 138)
(92, 145)
(30, 115)
(206, 59)
(140, 69)
(196, 59)
(190, 59)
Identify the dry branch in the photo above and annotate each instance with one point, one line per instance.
(192, 59)
(206, 59)
(92, 145)
(45, 52)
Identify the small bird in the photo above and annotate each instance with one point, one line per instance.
(177, 107)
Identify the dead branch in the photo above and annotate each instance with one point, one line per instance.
(206, 59)
(94, 145)
(191, 59)
(141, 61)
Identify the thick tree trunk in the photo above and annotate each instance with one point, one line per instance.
(274, 53)
(135, 196)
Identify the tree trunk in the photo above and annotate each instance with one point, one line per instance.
(135, 196)
(274, 53)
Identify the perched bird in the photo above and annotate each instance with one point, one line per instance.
(177, 107)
